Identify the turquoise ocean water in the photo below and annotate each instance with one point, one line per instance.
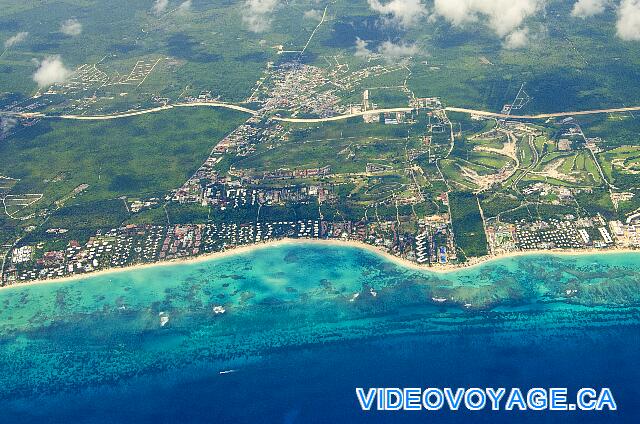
(306, 324)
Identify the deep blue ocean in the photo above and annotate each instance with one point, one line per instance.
(316, 385)
(297, 353)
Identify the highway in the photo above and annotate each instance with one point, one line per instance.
(342, 117)
(467, 111)
(317, 120)
(542, 115)
(153, 110)
(131, 113)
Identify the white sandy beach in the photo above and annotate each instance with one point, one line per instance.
(440, 269)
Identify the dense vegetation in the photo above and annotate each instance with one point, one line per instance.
(467, 224)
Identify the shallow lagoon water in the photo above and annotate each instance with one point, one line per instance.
(305, 325)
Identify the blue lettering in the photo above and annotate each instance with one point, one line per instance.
(495, 396)
(412, 399)
(537, 399)
(558, 399)
(606, 399)
(393, 400)
(426, 399)
(453, 400)
(479, 403)
(515, 399)
(365, 401)
(586, 405)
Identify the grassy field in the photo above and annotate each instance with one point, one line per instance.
(467, 224)
(347, 147)
(349, 155)
(622, 166)
(149, 154)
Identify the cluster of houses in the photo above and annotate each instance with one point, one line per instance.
(243, 140)
(286, 174)
(558, 194)
(346, 80)
(567, 233)
(22, 254)
(312, 91)
(233, 195)
(572, 232)
(501, 237)
(626, 234)
(433, 244)
(181, 241)
(136, 244)
(301, 89)
(548, 235)
(17, 106)
(89, 77)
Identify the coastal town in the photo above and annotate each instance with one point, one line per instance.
(252, 177)
(432, 247)
(303, 211)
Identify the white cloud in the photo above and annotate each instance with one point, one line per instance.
(588, 8)
(184, 7)
(257, 14)
(388, 50)
(15, 39)
(71, 27)
(505, 17)
(404, 12)
(50, 71)
(517, 39)
(313, 15)
(160, 6)
(628, 25)
(6, 124)
(361, 48)
(392, 51)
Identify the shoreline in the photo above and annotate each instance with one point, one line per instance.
(402, 262)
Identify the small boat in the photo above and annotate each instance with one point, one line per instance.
(227, 372)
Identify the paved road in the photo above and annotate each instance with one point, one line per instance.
(320, 120)
(133, 112)
(468, 111)
(156, 109)
(343, 117)
(542, 115)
